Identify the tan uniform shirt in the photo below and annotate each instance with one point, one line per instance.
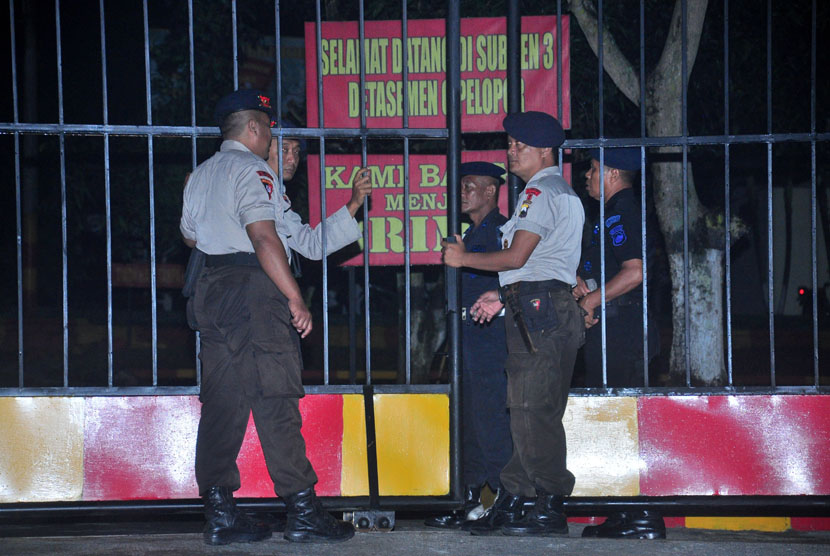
(234, 188)
(549, 208)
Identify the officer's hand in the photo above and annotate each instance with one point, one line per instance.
(453, 253)
(361, 188)
(581, 289)
(587, 304)
(300, 316)
(486, 307)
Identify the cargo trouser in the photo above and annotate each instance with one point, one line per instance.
(537, 391)
(250, 363)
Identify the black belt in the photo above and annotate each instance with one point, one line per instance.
(232, 259)
(528, 287)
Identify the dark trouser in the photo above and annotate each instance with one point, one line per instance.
(486, 432)
(537, 394)
(623, 344)
(250, 362)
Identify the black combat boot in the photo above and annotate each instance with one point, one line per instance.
(307, 521)
(472, 499)
(629, 525)
(507, 508)
(226, 523)
(546, 518)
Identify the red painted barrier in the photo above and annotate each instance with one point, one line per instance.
(734, 445)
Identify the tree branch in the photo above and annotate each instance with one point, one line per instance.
(615, 63)
(673, 49)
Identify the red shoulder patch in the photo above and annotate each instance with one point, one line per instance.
(532, 192)
(267, 182)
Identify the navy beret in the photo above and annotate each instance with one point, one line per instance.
(243, 99)
(479, 168)
(627, 158)
(536, 129)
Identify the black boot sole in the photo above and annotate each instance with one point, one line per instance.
(443, 525)
(229, 537)
(485, 532)
(641, 535)
(306, 537)
(550, 533)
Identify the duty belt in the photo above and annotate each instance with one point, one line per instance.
(232, 259)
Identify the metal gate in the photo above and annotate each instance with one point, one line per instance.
(25, 127)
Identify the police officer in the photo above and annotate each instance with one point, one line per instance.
(486, 430)
(623, 273)
(249, 311)
(537, 268)
(623, 307)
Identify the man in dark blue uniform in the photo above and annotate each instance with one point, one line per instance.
(623, 306)
(486, 426)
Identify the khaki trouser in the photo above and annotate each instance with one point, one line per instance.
(250, 363)
(537, 394)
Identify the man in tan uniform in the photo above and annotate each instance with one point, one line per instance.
(249, 311)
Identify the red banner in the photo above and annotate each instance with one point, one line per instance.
(427, 201)
(483, 72)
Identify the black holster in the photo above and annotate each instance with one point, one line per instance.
(195, 264)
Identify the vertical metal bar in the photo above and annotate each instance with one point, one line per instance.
(366, 295)
(62, 138)
(770, 283)
(813, 223)
(324, 241)
(151, 191)
(192, 76)
(192, 72)
(235, 46)
(559, 107)
(686, 265)
(352, 327)
(727, 247)
(17, 199)
(514, 85)
(107, 190)
(320, 114)
(406, 229)
(643, 233)
(601, 115)
(453, 54)
(278, 65)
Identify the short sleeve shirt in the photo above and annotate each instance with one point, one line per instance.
(230, 190)
(549, 208)
(623, 239)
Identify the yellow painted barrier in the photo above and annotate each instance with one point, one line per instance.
(42, 455)
(603, 450)
(412, 432)
(740, 523)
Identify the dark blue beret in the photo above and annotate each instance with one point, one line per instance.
(536, 129)
(479, 168)
(243, 99)
(626, 158)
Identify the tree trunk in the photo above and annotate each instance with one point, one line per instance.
(706, 359)
(665, 109)
(664, 119)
